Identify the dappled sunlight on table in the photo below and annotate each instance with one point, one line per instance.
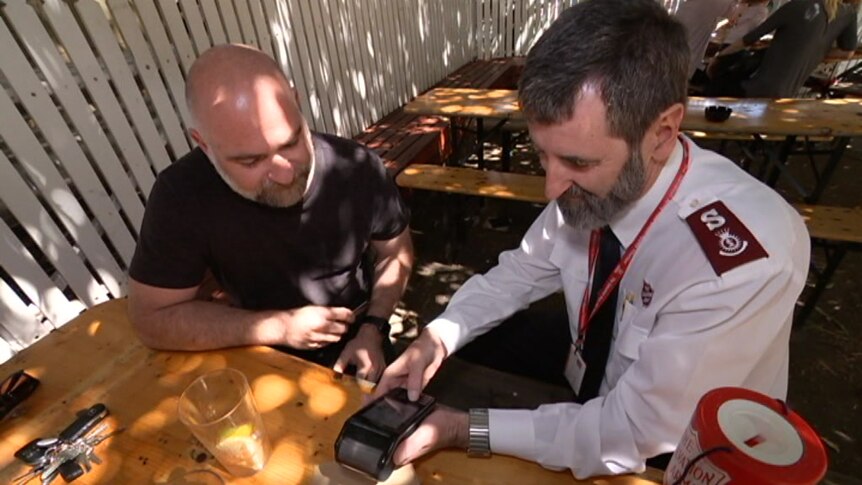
(163, 414)
(93, 328)
(188, 362)
(325, 397)
(272, 391)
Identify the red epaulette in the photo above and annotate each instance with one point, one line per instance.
(724, 239)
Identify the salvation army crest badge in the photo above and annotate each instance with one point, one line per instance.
(646, 294)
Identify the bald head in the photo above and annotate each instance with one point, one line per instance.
(230, 77)
(246, 120)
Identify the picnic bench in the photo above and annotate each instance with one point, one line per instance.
(836, 230)
(402, 138)
(787, 119)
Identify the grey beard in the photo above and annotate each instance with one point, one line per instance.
(275, 195)
(585, 211)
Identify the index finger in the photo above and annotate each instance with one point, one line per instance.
(342, 314)
(390, 380)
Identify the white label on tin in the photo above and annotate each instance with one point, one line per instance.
(703, 472)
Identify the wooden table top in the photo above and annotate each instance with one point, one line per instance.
(801, 117)
(97, 358)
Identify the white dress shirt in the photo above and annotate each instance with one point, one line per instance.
(681, 328)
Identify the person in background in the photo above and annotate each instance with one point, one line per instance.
(296, 228)
(700, 18)
(841, 39)
(680, 271)
(746, 15)
(800, 30)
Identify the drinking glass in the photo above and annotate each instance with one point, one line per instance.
(218, 408)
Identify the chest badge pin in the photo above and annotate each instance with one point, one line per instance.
(646, 294)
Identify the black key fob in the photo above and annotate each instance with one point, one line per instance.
(86, 420)
(34, 453)
(71, 470)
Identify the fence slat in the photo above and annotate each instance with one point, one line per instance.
(148, 71)
(213, 22)
(274, 26)
(344, 30)
(343, 55)
(243, 14)
(47, 118)
(33, 282)
(22, 203)
(361, 39)
(261, 28)
(192, 15)
(179, 36)
(167, 60)
(229, 17)
(312, 66)
(303, 81)
(106, 44)
(65, 89)
(16, 321)
(96, 81)
(328, 58)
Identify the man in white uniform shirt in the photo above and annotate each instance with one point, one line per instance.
(711, 261)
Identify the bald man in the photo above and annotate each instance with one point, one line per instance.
(298, 229)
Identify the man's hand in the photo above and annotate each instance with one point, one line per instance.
(415, 367)
(312, 327)
(443, 428)
(365, 351)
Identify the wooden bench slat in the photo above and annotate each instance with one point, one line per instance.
(839, 224)
(468, 181)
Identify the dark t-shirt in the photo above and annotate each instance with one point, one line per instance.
(266, 257)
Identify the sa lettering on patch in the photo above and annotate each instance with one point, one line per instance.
(724, 239)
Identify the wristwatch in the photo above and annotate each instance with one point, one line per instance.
(381, 323)
(479, 434)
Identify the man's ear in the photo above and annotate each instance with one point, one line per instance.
(198, 139)
(665, 130)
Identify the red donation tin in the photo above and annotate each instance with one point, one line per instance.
(738, 436)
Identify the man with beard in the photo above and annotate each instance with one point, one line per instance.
(280, 217)
(680, 272)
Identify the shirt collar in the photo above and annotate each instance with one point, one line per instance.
(628, 224)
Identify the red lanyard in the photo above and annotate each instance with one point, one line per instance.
(586, 315)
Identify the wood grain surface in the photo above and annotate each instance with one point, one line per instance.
(97, 358)
(800, 117)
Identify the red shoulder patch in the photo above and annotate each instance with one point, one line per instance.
(724, 239)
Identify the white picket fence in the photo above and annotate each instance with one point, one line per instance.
(507, 28)
(93, 108)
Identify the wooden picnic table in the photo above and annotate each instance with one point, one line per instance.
(757, 118)
(97, 358)
(798, 117)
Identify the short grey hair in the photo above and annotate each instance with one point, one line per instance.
(633, 51)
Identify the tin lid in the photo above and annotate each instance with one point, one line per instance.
(760, 432)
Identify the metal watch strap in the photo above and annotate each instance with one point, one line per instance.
(381, 323)
(479, 433)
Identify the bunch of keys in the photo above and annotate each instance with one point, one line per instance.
(70, 453)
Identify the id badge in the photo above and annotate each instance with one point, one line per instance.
(576, 368)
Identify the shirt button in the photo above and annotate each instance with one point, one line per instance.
(694, 203)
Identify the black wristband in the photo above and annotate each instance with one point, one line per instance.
(382, 324)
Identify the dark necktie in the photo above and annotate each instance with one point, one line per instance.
(597, 343)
